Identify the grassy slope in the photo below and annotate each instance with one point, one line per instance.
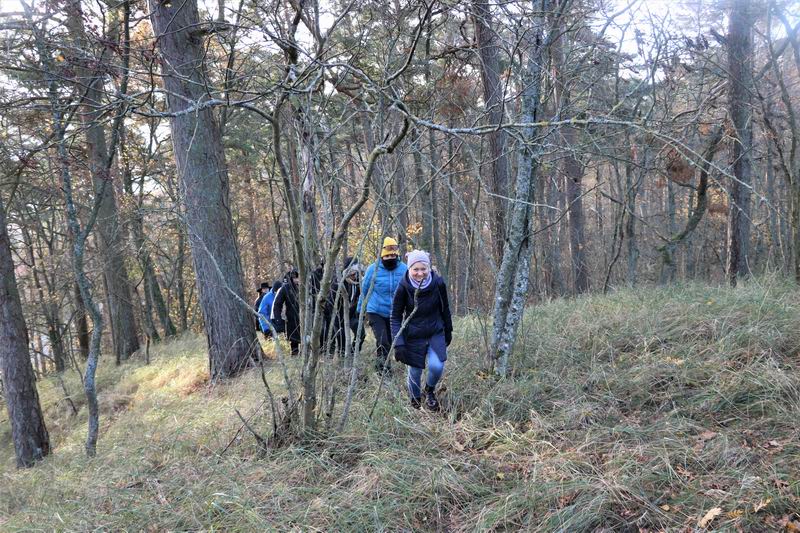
(643, 409)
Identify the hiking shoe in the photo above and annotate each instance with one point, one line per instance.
(416, 403)
(431, 403)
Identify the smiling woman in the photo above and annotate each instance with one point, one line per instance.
(422, 327)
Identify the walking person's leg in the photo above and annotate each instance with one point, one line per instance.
(383, 340)
(415, 386)
(435, 371)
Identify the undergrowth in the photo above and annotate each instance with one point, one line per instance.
(644, 410)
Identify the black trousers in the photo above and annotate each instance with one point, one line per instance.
(383, 340)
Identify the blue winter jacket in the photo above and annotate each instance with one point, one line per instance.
(386, 283)
(265, 310)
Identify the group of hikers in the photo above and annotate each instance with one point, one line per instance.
(407, 309)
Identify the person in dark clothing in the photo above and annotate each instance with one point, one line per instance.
(327, 305)
(346, 308)
(285, 314)
(351, 281)
(262, 291)
(421, 300)
(386, 273)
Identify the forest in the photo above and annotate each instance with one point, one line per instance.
(608, 190)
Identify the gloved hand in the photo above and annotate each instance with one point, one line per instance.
(448, 337)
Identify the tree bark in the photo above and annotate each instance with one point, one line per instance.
(494, 106)
(120, 306)
(28, 431)
(154, 300)
(514, 272)
(573, 174)
(740, 80)
(201, 167)
(81, 323)
(48, 308)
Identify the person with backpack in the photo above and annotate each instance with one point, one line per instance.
(285, 315)
(385, 274)
(422, 327)
(265, 309)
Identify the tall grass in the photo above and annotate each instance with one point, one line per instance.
(641, 410)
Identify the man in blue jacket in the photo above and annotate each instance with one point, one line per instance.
(385, 274)
(265, 309)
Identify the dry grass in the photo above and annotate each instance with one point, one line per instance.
(639, 411)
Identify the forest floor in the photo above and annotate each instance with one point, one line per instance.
(660, 409)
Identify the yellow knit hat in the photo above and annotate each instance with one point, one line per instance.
(389, 247)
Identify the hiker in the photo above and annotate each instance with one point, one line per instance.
(387, 273)
(265, 309)
(287, 303)
(351, 278)
(327, 305)
(346, 314)
(262, 291)
(423, 341)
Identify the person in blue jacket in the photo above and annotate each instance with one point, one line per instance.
(262, 291)
(421, 302)
(385, 274)
(265, 309)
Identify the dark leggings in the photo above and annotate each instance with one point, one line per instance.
(383, 340)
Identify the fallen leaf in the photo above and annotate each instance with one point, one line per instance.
(760, 505)
(780, 484)
(709, 517)
(774, 446)
(707, 435)
(685, 473)
(665, 507)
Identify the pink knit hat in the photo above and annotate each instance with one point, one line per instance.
(418, 256)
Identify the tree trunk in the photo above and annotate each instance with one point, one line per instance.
(31, 441)
(120, 306)
(250, 202)
(669, 270)
(81, 323)
(49, 308)
(180, 284)
(573, 174)
(154, 300)
(573, 170)
(794, 215)
(201, 166)
(431, 217)
(512, 286)
(629, 213)
(740, 80)
(494, 104)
